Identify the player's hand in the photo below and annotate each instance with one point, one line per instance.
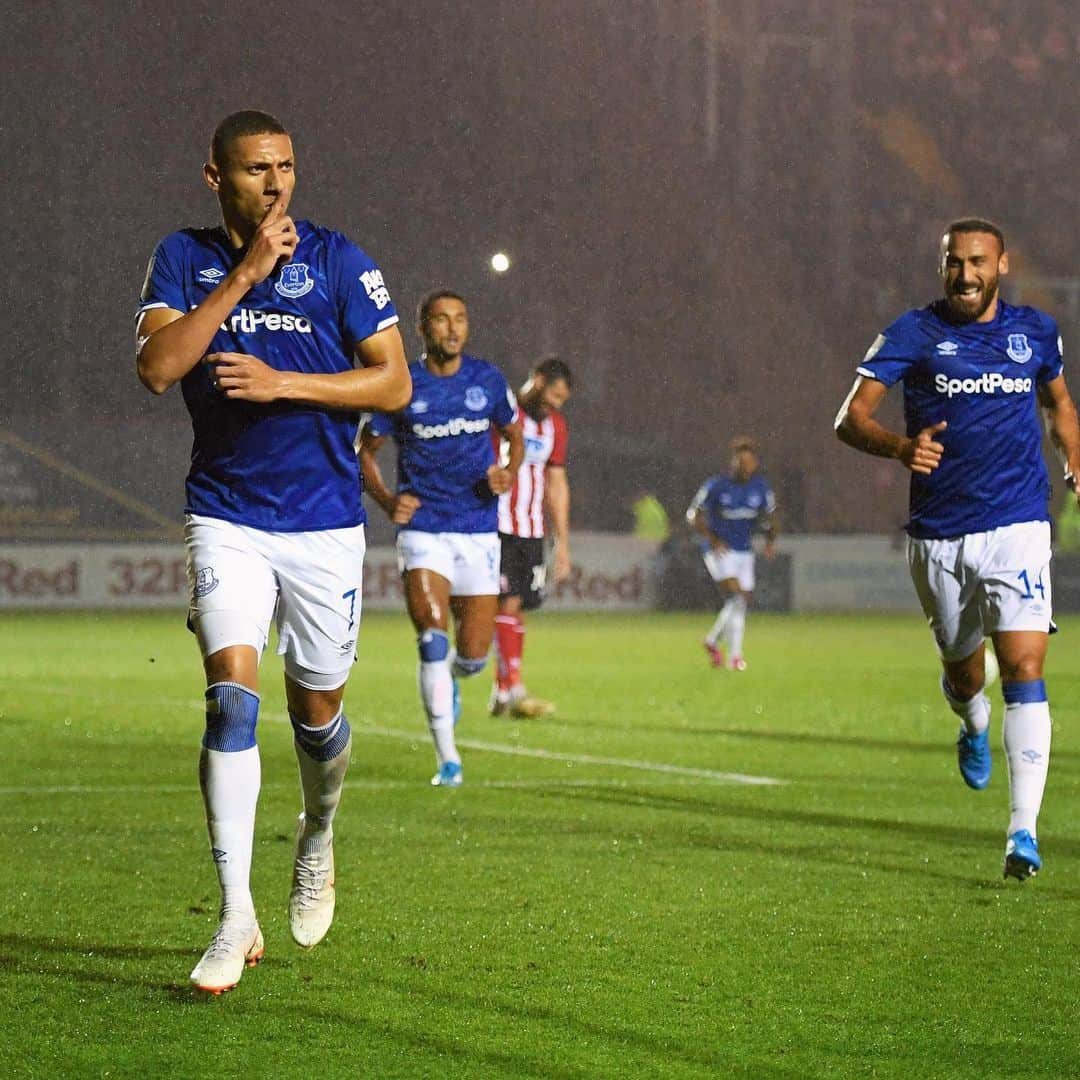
(720, 547)
(405, 505)
(274, 242)
(562, 563)
(500, 480)
(923, 453)
(770, 550)
(245, 378)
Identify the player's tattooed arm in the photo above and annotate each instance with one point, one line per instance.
(1059, 414)
(856, 426)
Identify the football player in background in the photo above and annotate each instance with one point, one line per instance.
(446, 508)
(541, 493)
(725, 512)
(975, 371)
(279, 332)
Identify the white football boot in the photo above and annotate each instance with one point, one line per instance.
(238, 943)
(311, 902)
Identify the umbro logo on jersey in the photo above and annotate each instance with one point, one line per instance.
(419, 406)
(211, 275)
(948, 348)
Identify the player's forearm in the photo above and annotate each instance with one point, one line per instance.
(164, 357)
(558, 506)
(1064, 429)
(515, 448)
(381, 388)
(866, 434)
(374, 484)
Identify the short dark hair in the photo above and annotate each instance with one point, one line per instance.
(239, 125)
(743, 442)
(974, 225)
(423, 309)
(553, 369)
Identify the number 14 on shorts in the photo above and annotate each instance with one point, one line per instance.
(1038, 587)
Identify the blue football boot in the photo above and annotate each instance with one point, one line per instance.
(1022, 856)
(449, 775)
(973, 757)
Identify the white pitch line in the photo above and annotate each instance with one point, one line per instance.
(588, 759)
(714, 775)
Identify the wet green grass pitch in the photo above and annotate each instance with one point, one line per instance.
(685, 873)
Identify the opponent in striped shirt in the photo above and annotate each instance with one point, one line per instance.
(540, 492)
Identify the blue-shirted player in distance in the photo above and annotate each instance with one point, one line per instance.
(725, 511)
(279, 332)
(975, 371)
(446, 507)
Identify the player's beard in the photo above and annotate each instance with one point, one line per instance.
(962, 312)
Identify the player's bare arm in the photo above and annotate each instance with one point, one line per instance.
(557, 504)
(700, 524)
(772, 531)
(1059, 410)
(170, 343)
(382, 382)
(856, 426)
(500, 478)
(399, 508)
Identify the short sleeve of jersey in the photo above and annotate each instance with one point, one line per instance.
(769, 505)
(699, 500)
(505, 410)
(164, 283)
(559, 443)
(892, 352)
(362, 296)
(380, 425)
(1053, 360)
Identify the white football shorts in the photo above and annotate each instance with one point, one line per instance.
(240, 577)
(975, 585)
(731, 564)
(469, 561)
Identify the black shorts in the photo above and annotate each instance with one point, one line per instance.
(523, 569)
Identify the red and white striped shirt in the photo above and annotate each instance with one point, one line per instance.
(521, 509)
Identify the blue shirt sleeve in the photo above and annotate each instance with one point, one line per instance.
(892, 352)
(363, 298)
(164, 283)
(380, 425)
(1051, 352)
(505, 403)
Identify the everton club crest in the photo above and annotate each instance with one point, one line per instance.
(475, 398)
(1019, 349)
(295, 280)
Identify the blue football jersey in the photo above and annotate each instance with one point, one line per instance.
(732, 508)
(445, 446)
(982, 379)
(283, 466)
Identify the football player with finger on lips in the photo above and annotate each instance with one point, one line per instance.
(975, 372)
(279, 332)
